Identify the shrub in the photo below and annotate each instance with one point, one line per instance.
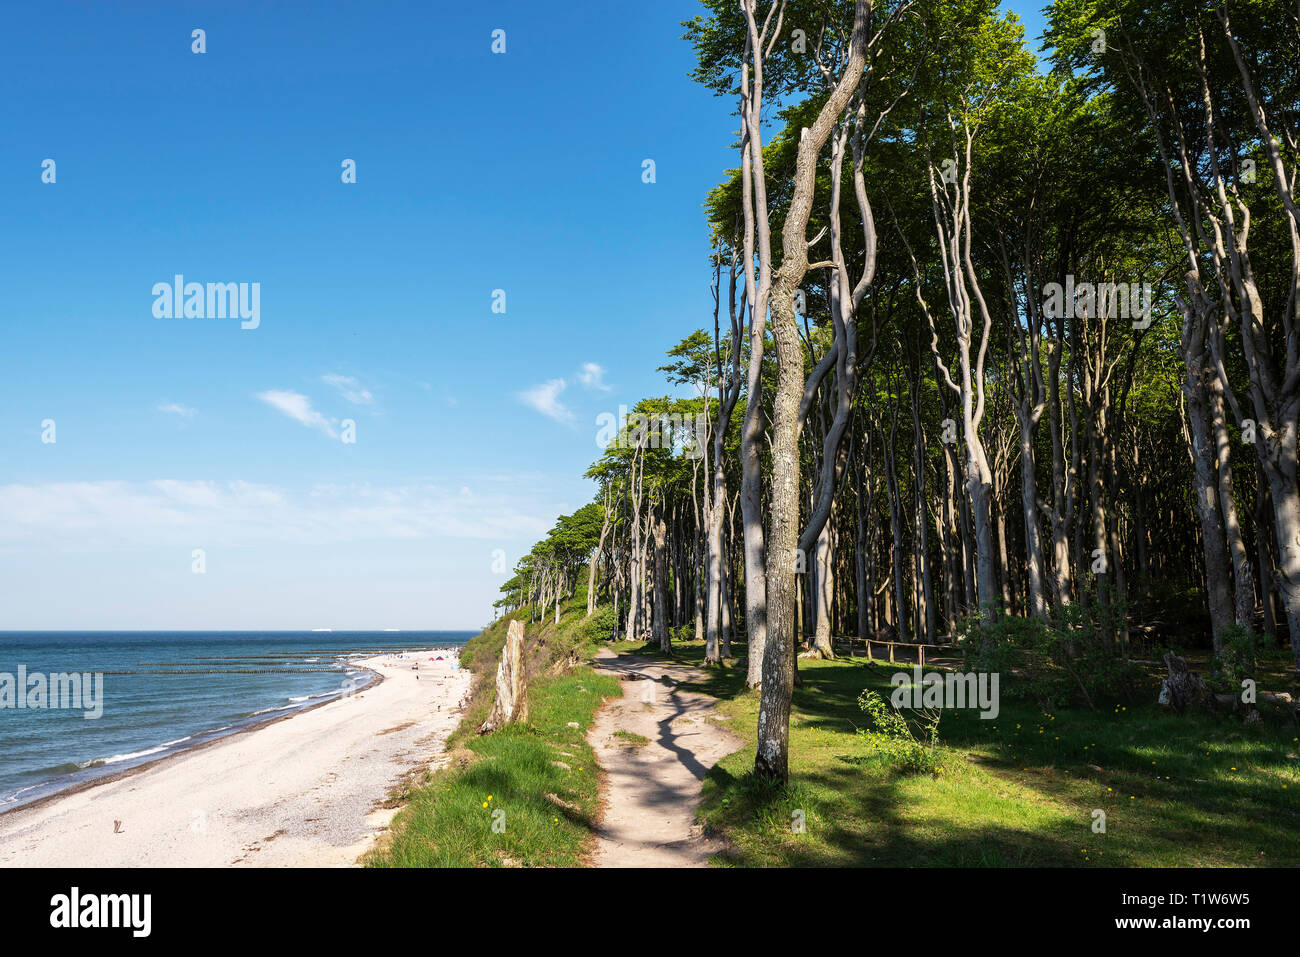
(891, 735)
(1235, 662)
(1071, 659)
(601, 624)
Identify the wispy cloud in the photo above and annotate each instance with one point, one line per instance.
(298, 407)
(593, 377)
(545, 398)
(175, 408)
(349, 388)
(172, 512)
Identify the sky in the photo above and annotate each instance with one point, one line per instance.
(413, 402)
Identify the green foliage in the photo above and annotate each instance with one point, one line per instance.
(561, 555)
(1235, 662)
(601, 624)
(999, 647)
(1074, 658)
(891, 735)
(483, 650)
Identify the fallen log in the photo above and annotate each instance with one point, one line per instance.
(1282, 698)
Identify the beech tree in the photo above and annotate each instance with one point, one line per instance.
(987, 343)
(1216, 90)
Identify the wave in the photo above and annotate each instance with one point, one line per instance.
(131, 756)
(311, 697)
(282, 707)
(12, 798)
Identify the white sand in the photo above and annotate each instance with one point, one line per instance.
(300, 792)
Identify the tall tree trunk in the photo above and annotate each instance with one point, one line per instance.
(1213, 541)
(772, 752)
(1063, 488)
(659, 531)
(921, 532)
(1262, 513)
(823, 590)
(1243, 582)
(903, 624)
(635, 576)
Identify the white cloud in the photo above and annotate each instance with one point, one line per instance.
(545, 398)
(298, 407)
(193, 514)
(175, 408)
(349, 388)
(593, 377)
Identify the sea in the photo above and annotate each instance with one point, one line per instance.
(164, 692)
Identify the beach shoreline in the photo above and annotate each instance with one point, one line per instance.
(112, 776)
(306, 788)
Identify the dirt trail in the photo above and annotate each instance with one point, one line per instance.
(653, 789)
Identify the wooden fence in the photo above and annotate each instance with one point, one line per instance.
(870, 644)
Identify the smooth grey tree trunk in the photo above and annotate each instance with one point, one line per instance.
(1205, 481)
(771, 759)
(659, 533)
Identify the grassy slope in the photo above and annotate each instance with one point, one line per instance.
(1015, 791)
(549, 809)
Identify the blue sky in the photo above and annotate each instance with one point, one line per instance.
(475, 172)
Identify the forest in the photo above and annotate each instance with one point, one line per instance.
(1003, 356)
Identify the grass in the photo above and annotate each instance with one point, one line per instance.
(524, 796)
(537, 783)
(632, 738)
(1020, 790)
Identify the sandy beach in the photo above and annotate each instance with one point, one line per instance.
(300, 792)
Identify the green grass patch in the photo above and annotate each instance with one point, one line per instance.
(1019, 790)
(517, 780)
(526, 795)
(632, 738)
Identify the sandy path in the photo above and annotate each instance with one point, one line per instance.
(299, 792)
(652, 790)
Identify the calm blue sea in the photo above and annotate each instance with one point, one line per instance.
(168, 691)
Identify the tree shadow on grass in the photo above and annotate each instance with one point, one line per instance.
(864, 828)
(1185, 809)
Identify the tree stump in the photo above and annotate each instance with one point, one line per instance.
(1184, 688)
(511, 705)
